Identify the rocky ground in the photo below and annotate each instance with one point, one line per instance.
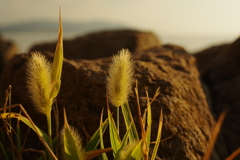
(195, 89)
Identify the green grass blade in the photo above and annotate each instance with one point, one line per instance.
(46, 154)
(158, 136)
(214, 135)
(149, 122)
(133, 135)
(26, 121)
(123, 143)
(114, 136)
(70, 148)
(137, 152)
(71, 141)
(94, 141)
(103, 156)
(91, 154)
(57, 62)
(55, 142)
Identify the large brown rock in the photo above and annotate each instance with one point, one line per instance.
(103, 44)
(207, 56)
(221, 73)
(187, 120)
(7, 50)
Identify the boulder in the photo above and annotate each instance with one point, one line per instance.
(205, 57)
(187, 122)
(103, 44)
(220, 71)
(7, 50)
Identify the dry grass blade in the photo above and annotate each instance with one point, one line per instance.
(9, 130)
(139, 110)
(156, 94)
(215, 133)
(84, 129)
(33, 150)
(234, 154)
(91, 154)
(34, 126)
(154, 154)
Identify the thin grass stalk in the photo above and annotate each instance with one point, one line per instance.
(3, 151)
(25, 139)
(156, 94)
(49, 124)
(14, 149)
(215, 133)
(8, 131)
(19, 139)
(30, 120)
(104, 155)
(8, 128)
(149, 128)
(234, 154)
(114, 137)
(56, 116)
(149, 120)
(118, 120)
(154, 154)
(139, 110)
(9, 104)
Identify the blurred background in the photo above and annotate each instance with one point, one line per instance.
(192, 24)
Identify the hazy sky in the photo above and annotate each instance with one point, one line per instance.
(166, 16)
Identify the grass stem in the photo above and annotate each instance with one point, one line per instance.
(49, 124)
(118, 120)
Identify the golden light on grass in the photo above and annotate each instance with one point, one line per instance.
(39, 82)
(125, 153)
(44, 80)
(119, 80)
(71, 142)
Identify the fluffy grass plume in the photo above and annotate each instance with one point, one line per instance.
(119, 80)
(125, 153)
(71, 142)
(39, 82)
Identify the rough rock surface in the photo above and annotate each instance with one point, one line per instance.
(7, 50)
(187, 120)
(103, 44)
(220, 71)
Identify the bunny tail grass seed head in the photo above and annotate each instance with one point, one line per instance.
(39, 82)
(120, 78)
(71, 143)
(125, 153)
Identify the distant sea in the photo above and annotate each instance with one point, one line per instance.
(192, 44)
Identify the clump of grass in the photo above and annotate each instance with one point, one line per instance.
(44, 82)
(119, 84)
(119, 80)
